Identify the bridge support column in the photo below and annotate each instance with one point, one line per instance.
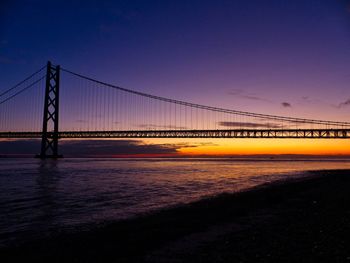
(49, 140)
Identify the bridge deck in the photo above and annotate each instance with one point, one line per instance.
(234, 133)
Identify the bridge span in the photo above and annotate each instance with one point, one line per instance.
(268, 134)
(55, 103)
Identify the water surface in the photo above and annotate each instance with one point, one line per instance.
(38, 198)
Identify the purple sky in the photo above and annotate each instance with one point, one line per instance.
(276, 57)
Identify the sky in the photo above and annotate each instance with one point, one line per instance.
(287, 58)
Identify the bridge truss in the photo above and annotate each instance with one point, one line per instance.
(270, 134)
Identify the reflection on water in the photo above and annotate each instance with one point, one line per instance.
(40, 197)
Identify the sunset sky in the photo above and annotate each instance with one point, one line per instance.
(275, 57)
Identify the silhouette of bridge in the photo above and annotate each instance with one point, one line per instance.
(95, 109)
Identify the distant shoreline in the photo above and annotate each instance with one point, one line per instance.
(304, 219)
(235, 157)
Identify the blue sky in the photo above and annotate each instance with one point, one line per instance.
(275, 57)
(199, 51)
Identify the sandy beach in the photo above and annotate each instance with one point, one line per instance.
(299, 220)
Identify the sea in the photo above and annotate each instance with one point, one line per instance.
(42, 198)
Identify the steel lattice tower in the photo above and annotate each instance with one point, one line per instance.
(49, 141)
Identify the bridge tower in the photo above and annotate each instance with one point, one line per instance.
(49, 140)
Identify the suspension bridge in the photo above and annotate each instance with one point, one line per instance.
(95, 109)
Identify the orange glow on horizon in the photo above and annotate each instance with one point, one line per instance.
(146, 155)
(258, 146)
(229, 147)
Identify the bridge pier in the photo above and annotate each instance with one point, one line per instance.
(49, 139)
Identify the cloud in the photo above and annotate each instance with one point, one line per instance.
(307, 100)
(286, 105)
(94, 147)
(246, 95)
(153, 126)
(343, 104)
(249, 124)
(112, 147)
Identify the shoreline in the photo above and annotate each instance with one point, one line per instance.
(299, 219)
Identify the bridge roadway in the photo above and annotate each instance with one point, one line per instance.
(232, 133)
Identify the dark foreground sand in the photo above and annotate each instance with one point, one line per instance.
(307, 220)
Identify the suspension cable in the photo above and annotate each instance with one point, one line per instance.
(22, 90)
(20, 83)
(210, 108)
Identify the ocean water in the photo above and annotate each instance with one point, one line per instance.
(40, 198)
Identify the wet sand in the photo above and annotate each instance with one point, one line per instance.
(300, 220)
